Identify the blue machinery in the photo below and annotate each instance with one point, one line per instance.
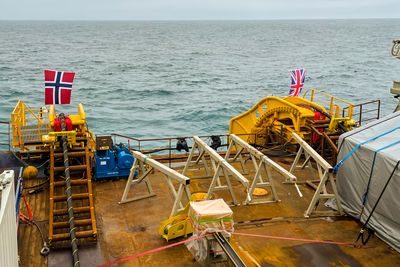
(112, 161)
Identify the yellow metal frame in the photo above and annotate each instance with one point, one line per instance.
(78, 120)
(287, 115)
(274, 108)
(52, 137)
(23, 115)
(336, 104)
(176, 226)
(180, 224)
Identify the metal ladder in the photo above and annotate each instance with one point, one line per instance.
(82, 196)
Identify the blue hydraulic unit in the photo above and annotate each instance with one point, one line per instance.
(112, 161)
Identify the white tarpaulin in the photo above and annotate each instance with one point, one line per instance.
(208, 216)
(368, 159)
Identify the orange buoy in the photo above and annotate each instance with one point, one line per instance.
(30, 172)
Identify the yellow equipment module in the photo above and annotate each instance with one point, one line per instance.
(176, 226)
(285, 115)
(179, 225)
(32, 128)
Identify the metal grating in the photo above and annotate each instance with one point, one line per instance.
(33, 133)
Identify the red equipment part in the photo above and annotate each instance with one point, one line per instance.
(57, 124)
(316, 137)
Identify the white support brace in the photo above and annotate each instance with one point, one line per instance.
(325, 175)
(201, 160)
(262, 165)
(220, 167)
(171, 175)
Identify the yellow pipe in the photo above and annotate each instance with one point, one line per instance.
(337, 110)
(350, 115)
(331, 106)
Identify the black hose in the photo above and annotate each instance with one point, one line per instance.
(45, 249)
(37, 186)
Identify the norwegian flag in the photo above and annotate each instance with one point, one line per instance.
(58, 85)
(297, 77)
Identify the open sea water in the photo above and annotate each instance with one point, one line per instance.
(166, 78)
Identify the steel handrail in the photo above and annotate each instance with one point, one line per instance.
(333, 100)
(142, 140)
(8, 133)
(363, 111)
(22, 114)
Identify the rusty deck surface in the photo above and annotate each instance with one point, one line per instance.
(127, 229)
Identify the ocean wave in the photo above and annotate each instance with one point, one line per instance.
(198, 76)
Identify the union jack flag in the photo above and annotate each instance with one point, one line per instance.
(297, 77)
(58, 85)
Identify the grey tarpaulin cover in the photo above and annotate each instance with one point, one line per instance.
(355, 173)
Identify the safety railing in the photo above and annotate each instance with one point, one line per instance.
(336, 107)
(5, 135)
(365, 112)
(23, 115)
(172, 145)
(146, 145)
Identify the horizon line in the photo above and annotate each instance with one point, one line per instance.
(255, 19)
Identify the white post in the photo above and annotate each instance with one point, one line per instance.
(261, 165)
(220, 167)
(170, 174)
(325, 174)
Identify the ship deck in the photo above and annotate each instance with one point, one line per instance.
(127, 229)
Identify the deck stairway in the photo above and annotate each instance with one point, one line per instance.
(82, 197)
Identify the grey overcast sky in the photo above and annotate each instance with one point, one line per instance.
(195, 9)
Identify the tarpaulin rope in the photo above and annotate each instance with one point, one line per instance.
(365, 225)
(152, 251)
(365, 128)
(340, 163)
(365, 196)
(349, 244)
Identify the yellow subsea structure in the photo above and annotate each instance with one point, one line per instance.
(275, 117)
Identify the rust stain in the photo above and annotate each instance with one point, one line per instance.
(323, 255)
